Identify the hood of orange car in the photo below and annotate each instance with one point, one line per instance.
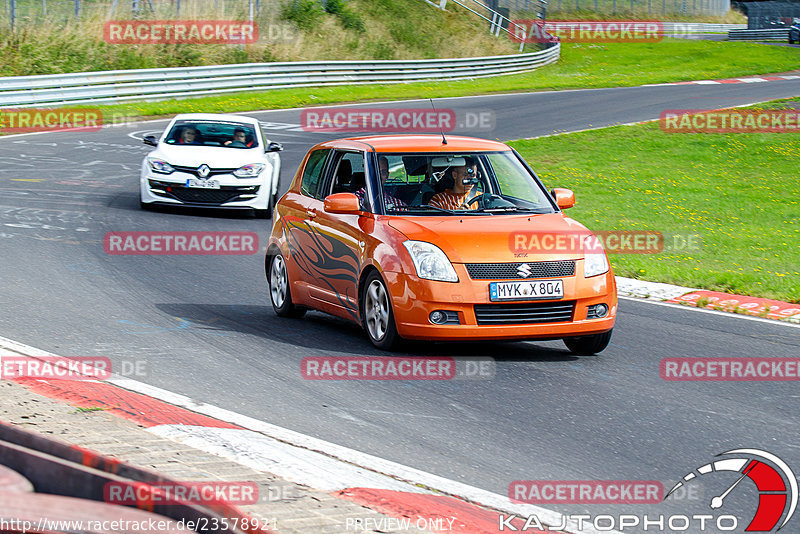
(497, 238)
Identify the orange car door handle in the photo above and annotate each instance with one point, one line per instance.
(311, 212)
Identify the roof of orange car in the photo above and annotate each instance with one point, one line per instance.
(428, 143)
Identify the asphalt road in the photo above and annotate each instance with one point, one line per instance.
(205, 328)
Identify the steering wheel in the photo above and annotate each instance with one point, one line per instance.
(480, 198)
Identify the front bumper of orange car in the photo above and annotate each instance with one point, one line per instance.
(479, 318)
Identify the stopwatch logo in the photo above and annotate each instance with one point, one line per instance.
(776, 483)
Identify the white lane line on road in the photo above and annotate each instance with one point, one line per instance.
(350, 458)
(263, 453)
(308, 460)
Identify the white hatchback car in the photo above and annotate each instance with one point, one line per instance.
(212, 160)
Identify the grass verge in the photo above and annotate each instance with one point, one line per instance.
(740, 192)
(581, 66)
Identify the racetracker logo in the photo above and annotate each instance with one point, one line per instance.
(180, 243)
(586, 242)
(180, 31)
(175, 493)
(424, 120)
(378, 120)
(587, 31)
(25, 120)
(730, 369)
(377, 368)
(55, 368)
(729, 121)
(586, 491)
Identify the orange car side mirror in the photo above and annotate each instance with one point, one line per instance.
(565, 198)
(342, 203)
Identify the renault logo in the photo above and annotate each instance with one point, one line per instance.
(524, 270)
(203, 170)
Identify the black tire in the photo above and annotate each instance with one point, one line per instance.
(588, 345)
(377, 315)
(262, 214)
(145, 206)
(280, 289)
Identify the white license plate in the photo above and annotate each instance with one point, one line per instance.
(527, 290)
(202, 184)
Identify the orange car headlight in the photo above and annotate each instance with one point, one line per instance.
(595, 262)
(430, 262)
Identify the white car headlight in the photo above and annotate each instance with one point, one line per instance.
(595, 262)
(431, 263)
(160, 166)
(251, 170)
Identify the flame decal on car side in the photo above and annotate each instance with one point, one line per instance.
(323, 258)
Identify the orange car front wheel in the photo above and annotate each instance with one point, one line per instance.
(587, 345)
(377, 315)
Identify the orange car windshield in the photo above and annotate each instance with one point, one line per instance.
(459, 183)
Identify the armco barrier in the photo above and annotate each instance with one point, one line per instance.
(79, 477)
(759, 35)
(699, 27)
(159, 84)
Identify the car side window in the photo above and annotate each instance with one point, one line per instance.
(349, 175)
(313, 172)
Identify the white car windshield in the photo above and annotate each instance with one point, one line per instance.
(213, 133)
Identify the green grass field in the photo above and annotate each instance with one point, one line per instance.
(581, 66)
(739, 192)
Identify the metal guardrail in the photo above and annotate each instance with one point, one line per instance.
(759, 35)
(160, 84)
(700, 27)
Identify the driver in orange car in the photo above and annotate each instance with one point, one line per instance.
(461, 192)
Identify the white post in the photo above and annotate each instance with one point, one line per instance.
(442, 4)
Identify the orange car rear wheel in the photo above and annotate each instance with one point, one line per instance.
(377, 315)
(280, 289)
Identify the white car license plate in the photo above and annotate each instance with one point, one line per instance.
(202, 184)
(527, 290)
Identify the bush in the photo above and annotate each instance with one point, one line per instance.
(352, 21)
(334, 7)
(307, 14)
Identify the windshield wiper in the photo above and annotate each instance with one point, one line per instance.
(426, 207)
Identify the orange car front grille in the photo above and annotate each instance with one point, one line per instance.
(527, 313)
(534, 269)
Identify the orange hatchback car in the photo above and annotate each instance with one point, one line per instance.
(426, 237)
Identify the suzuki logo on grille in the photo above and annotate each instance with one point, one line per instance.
(524, 270)
(203, 170)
